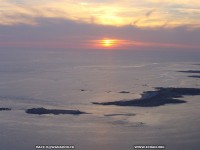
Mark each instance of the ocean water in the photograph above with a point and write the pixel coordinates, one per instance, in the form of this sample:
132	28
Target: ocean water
73	79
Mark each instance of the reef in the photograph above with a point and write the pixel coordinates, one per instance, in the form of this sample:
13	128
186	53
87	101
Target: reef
41	111
159	97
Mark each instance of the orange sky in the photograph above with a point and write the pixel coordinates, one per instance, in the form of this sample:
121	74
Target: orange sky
86	24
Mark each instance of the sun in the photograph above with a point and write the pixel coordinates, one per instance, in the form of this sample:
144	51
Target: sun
108	42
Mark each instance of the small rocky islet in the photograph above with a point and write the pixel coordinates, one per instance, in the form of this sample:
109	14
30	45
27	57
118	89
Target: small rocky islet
161	96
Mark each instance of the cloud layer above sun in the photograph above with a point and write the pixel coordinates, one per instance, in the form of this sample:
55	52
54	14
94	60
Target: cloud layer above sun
142	13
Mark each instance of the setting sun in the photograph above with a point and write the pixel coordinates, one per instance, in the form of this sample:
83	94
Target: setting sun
108	42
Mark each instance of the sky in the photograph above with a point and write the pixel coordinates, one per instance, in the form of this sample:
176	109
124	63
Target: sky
90	24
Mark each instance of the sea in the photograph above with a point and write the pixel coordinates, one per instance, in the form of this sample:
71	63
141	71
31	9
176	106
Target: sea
73	79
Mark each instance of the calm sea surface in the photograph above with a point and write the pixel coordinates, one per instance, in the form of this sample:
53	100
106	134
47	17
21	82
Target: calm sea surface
74	79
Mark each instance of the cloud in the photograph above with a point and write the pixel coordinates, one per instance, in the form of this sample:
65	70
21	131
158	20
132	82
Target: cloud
149	13
108	12
67	34
74	24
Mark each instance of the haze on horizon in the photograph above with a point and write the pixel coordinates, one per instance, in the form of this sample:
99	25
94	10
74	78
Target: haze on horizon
82	24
